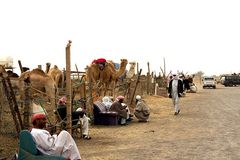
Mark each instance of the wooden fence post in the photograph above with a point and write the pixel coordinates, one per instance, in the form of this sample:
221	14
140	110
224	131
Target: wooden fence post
1	105
69	87
26	108
148	79
139	74
20	66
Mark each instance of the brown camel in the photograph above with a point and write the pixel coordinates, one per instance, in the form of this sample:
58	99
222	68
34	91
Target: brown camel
108	75
39	81
57	75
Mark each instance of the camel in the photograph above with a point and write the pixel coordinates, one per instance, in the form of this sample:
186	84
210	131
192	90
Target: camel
57	75
39	81
107	75
131	71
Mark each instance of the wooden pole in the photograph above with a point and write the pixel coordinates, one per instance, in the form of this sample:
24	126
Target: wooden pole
26	108
84	94
137	67
1	105
20	66
148	79
69	87
77	71
11	105
91	100
164	68
139	74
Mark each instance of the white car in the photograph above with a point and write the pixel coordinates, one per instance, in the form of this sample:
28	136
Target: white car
209	82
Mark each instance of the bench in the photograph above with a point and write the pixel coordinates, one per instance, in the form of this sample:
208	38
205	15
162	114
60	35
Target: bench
102	116
28	149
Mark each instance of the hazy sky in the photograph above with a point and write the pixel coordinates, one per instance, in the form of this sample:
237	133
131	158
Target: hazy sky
192	35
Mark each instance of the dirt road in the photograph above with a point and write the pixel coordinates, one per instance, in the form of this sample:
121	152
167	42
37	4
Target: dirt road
207	128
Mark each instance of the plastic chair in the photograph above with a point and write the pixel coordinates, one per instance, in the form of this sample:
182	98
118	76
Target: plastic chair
29	151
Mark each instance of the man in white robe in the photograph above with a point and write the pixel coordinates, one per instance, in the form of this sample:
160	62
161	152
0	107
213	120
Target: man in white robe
175	91
82	117
61	144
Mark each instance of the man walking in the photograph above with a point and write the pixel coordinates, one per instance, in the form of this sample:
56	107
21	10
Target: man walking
175	91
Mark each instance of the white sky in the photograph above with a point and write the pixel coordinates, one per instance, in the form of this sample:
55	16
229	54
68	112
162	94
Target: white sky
192	35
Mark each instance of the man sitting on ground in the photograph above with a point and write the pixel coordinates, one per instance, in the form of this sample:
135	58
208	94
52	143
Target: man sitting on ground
142	111
61	144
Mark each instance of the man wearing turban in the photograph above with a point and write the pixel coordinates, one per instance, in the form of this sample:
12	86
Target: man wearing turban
122	110
175	91
61	144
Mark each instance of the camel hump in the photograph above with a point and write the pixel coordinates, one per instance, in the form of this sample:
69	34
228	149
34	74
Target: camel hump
55	67
109	61
38	71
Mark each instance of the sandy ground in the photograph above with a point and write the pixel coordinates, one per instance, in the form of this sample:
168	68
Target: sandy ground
207	128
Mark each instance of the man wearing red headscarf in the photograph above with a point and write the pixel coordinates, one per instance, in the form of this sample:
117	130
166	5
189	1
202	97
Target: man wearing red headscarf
59	145
80	113
101	62
121	108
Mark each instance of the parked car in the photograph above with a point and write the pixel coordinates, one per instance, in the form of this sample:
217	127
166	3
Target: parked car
209	82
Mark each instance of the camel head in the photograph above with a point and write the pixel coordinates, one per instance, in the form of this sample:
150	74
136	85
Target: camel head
121	70
131	71
132	65
123	63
